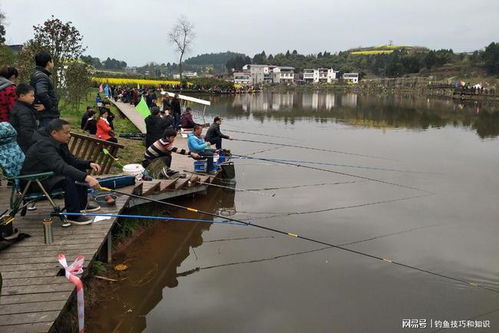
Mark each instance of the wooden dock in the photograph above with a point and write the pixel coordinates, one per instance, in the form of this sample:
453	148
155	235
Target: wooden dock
35	290
33	295
132	115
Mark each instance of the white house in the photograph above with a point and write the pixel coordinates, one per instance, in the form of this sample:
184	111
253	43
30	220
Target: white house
257	72
310	75
284	74
186	75
352	77
243	78
269	73
325	75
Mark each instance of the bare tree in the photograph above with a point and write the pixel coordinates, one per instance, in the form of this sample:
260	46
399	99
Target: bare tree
181	37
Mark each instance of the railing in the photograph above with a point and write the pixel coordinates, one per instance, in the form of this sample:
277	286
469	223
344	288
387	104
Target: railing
90	148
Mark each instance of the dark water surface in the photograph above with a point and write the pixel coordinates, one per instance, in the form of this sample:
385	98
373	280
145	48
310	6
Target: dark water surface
218	278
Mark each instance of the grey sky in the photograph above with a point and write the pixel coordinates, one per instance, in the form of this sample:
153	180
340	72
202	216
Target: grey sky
136	31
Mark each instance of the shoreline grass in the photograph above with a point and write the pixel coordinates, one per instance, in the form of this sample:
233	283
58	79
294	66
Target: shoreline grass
134	149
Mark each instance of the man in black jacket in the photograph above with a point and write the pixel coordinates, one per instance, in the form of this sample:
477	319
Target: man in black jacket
166	103
23	116
214	136
176	110
85	116
156	126
50	152
44	89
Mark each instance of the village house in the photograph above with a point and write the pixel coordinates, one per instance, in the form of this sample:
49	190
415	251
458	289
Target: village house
351	77
319	75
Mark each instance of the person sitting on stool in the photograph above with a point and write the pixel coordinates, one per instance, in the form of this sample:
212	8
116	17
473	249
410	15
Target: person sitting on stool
186	121
214	136
104	129
163	149
50	152
197	145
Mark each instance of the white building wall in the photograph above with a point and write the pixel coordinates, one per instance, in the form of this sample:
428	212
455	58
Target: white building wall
352	77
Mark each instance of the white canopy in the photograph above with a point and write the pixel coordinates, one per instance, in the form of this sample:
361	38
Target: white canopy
187	98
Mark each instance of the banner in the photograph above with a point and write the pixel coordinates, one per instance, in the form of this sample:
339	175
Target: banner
71	271
142	108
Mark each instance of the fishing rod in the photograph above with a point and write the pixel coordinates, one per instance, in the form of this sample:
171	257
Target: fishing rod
335	172
293	235
164	218
263	150
292	254
312	148
343	165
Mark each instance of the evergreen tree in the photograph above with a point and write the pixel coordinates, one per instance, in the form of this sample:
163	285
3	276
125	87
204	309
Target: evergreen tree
491	58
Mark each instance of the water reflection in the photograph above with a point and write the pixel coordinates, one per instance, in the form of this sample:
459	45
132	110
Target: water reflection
384	111
154	259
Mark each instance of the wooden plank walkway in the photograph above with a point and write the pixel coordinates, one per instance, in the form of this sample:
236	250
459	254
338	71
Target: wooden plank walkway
32	295
132	114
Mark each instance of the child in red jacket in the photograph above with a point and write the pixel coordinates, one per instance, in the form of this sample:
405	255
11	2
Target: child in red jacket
8	76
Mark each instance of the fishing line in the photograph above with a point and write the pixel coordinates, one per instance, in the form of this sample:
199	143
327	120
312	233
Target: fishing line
271	188
330	209
313	250
263	151
293	235
313	148
346	165
335	172
259	134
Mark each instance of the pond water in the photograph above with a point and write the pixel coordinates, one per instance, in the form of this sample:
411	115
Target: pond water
414	180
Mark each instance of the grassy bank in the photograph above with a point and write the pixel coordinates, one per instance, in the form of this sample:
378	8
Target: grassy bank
134	149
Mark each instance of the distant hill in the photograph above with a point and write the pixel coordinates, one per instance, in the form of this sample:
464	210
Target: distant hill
220	58
385	49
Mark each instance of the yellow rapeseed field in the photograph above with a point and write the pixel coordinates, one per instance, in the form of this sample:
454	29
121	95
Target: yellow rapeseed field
127	81
371	52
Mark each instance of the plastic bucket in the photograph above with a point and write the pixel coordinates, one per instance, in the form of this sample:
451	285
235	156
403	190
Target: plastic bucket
228	171
200	166
185	132
135	170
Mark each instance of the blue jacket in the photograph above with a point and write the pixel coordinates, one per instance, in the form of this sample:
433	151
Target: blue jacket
196	144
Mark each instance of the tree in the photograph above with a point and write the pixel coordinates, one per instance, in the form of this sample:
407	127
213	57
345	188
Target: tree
430	60
237	63
61	40
491	58
2	28
260	59
77	82
182	36
92	61
7	56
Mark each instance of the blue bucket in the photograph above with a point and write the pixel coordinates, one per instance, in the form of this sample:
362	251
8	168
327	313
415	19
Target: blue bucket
200	166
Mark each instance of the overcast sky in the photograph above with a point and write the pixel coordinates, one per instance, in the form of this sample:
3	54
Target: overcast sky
136	31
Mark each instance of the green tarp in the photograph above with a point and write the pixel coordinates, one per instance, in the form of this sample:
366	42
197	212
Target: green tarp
142	108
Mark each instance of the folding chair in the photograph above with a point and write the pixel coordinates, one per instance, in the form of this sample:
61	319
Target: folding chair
11	160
